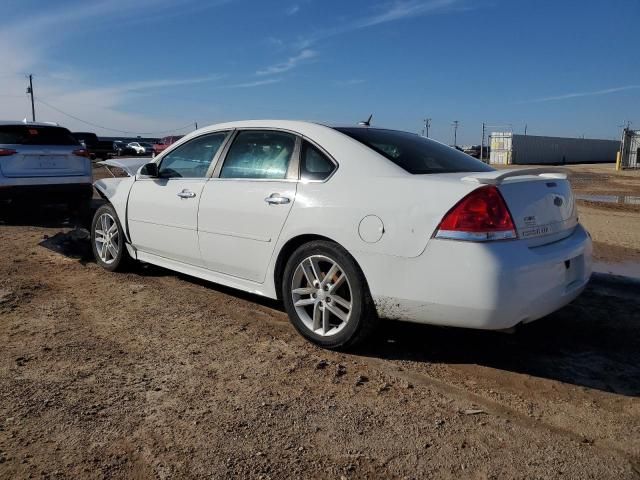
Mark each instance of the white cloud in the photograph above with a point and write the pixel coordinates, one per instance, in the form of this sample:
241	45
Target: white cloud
397	10
350	82
404	9
257	83
163	83
289	64
566	96
23	48
292	10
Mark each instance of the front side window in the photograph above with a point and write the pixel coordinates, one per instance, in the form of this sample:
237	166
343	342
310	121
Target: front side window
415	154
314	165
259	154
192	159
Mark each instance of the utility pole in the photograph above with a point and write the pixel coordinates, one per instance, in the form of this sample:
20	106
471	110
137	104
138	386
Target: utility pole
30	91
455	124
482	144
196	124
525	128
427	125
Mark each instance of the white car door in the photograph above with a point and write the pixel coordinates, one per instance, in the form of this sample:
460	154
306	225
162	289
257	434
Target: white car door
244	206
163	211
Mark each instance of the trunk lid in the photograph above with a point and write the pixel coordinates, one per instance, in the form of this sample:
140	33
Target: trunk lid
44	161
540	200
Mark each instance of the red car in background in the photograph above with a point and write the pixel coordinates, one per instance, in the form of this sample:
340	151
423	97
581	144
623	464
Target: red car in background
164	143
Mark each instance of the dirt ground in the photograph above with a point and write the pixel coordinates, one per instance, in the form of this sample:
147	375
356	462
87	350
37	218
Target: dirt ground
614	227
152	374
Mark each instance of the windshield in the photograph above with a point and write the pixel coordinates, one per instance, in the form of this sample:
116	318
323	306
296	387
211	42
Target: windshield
415	154
35	135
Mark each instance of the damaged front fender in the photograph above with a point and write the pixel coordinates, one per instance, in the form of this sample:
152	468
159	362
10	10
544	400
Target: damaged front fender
129	165
116	190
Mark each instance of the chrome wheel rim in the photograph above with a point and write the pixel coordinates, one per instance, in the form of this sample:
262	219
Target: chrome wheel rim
107	238
322	295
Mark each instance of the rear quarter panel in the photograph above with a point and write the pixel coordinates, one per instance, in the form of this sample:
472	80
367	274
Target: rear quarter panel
410	208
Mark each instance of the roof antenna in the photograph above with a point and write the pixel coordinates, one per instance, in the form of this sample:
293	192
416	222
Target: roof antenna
367	122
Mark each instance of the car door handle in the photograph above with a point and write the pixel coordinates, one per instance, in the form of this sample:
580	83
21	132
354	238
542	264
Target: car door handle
276	199
186	194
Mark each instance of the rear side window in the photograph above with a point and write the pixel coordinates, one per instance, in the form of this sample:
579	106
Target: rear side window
36	135
415	154
259	154
314	165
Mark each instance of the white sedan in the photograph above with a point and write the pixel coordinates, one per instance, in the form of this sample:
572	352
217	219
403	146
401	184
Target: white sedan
141	148
350	225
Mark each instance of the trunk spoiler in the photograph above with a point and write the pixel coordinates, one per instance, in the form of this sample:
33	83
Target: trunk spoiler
498	176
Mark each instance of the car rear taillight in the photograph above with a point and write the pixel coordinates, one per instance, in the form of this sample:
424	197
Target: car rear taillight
5	152
480	216
81	152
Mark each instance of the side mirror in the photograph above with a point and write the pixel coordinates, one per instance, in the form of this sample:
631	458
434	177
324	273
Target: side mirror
150	170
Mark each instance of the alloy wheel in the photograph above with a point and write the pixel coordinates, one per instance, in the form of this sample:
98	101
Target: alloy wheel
322	295
107	238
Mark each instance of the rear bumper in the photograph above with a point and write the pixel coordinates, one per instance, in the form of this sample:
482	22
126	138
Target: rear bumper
46	192
489	286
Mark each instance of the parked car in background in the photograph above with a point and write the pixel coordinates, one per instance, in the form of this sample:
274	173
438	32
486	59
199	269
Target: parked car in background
348	225
122	149
472	150
165	142
141	148
97	148
43	162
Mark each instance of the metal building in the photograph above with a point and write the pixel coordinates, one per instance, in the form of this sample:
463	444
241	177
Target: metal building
630	148
512	149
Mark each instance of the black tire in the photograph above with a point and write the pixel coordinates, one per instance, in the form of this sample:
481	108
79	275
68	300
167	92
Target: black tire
362	319
122	261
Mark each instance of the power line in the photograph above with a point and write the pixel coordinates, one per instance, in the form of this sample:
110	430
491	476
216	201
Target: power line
39	100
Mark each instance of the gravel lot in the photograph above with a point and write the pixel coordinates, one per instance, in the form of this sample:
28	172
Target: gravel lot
151	374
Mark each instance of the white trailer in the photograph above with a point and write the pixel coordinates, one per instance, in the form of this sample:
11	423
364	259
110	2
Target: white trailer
513	149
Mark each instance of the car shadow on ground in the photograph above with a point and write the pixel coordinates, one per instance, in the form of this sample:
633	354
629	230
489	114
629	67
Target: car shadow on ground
47	216
593	342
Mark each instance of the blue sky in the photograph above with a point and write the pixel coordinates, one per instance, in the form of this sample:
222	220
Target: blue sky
566	68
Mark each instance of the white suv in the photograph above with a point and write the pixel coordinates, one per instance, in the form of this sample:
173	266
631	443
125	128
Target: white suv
43	162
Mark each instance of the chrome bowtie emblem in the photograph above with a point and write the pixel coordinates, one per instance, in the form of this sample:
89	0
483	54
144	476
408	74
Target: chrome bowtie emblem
557	201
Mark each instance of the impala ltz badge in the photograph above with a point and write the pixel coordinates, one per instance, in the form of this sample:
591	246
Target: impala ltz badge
557	201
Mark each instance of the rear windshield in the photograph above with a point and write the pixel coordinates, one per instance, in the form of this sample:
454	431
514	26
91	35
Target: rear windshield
35	135
415	154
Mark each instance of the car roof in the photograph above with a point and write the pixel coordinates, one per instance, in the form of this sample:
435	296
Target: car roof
300	126
33	124
337	144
